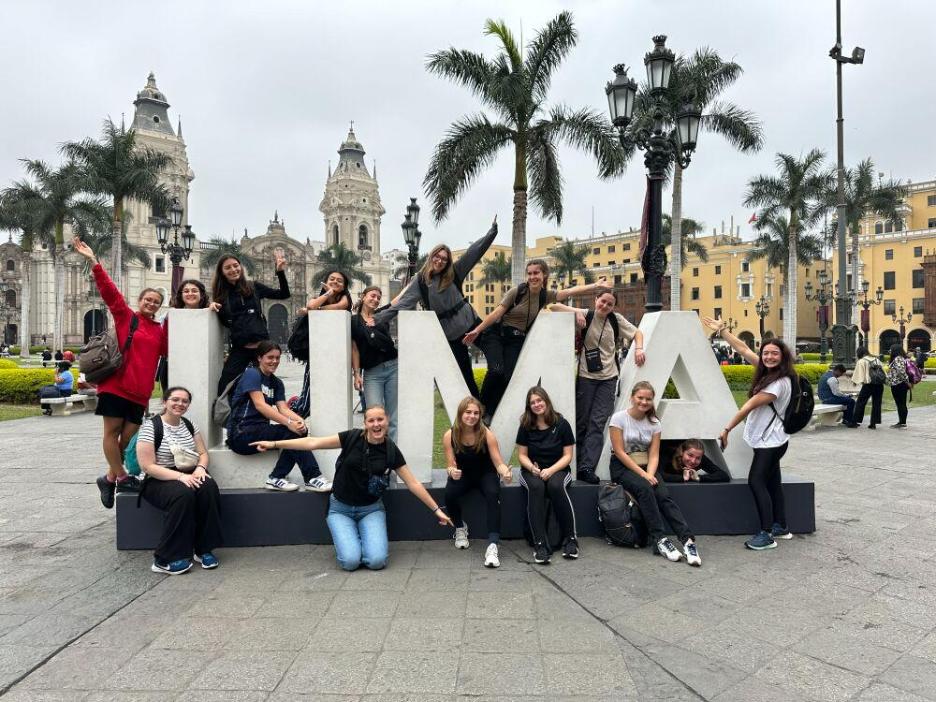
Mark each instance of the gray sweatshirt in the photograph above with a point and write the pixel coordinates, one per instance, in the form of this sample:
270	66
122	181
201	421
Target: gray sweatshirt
456	326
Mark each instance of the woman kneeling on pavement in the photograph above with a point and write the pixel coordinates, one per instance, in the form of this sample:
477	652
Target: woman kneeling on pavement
356	516
635	446
474	462
172	455
259	412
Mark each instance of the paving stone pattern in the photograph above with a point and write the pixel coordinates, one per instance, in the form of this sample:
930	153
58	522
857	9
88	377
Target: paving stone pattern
847	613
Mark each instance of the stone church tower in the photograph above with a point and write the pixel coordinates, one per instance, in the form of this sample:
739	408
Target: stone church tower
351	205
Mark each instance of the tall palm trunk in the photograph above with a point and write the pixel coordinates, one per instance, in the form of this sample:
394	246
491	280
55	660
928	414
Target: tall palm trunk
518	236
116	270
676	248
789	319
24	306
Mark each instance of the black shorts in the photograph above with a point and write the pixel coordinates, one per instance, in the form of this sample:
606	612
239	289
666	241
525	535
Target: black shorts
109	405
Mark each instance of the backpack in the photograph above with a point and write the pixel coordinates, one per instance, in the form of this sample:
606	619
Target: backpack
876	374
298	343
451	311
522	291
589	317
130	457
221	408
621	518
914	374
799	412
102	356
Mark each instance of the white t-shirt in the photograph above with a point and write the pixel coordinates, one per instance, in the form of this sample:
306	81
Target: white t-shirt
763	428
172	436
637	433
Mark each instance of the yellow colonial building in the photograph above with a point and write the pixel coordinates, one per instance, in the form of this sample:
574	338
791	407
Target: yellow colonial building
894	258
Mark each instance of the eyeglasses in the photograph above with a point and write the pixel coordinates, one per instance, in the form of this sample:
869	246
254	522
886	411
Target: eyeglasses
440	259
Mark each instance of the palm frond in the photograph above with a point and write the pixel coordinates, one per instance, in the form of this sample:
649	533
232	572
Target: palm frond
589	131
547	50
499	29
545	175
468	69
496	269
218	247
340	257
740	128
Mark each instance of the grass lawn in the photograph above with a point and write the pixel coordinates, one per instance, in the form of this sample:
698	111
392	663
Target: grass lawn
18	411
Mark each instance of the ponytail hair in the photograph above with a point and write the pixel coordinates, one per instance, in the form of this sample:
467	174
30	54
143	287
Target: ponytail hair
360	301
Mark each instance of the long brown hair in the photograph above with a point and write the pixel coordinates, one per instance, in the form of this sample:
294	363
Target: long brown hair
220	288
447	276
644	385
359	305
459	429
764	376
528	419
202	294
682	448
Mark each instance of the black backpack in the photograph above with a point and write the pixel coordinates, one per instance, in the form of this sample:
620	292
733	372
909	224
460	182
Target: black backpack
621	518
451	311
799	412
298	343
522	291
589	317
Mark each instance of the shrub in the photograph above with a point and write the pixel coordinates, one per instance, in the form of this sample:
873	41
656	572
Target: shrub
7	363
20	385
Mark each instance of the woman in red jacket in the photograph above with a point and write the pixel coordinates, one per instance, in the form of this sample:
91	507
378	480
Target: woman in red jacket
124	396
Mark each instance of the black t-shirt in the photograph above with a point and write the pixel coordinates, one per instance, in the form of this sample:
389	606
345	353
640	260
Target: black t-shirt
350	484
545	446
374	344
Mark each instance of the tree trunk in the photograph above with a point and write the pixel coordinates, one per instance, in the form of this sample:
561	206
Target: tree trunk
789	318
116	271
676	262
25	341
518	237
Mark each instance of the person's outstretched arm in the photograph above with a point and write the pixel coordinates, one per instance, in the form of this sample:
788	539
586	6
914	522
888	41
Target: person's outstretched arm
416	487
475	252
718	326
566	293
306	443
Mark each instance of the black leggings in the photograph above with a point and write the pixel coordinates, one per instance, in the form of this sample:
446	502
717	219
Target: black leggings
193	519
874	393
235	364
555	488
488	483
463	359
900	399
656	506
767	486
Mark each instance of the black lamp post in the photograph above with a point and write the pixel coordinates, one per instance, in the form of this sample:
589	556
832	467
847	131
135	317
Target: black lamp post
7	309
412	235
822	296
660	149
178	252
762	308
866	303
901	320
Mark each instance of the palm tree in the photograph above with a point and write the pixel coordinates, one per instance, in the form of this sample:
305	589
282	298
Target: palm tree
797	191
863	197
496	269
402	265
773	244
515	88
687	242
569	260
699	79
17	215
340	257
117	168
216	248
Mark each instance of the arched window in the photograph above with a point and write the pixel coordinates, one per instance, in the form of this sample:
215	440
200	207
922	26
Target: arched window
362	237
10	264
335	234
10	298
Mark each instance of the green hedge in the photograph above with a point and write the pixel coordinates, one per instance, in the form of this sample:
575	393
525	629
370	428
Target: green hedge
14	350
7	363
20	385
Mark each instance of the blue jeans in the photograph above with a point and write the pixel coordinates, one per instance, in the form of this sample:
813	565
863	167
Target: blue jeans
847	403
240	439
359	534
380	388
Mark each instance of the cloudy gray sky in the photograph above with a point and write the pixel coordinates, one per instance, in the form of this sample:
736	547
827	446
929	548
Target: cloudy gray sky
266	90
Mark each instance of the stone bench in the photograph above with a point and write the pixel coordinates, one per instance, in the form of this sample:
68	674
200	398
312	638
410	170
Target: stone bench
258	517
64	406
827	415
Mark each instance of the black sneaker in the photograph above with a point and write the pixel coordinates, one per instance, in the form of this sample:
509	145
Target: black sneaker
129	484
588	476
570	548
540	554
107	491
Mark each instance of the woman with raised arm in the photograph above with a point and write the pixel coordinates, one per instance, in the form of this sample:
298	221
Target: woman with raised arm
173	457
124	396
356	516
544	446
374	353
635	459
474	463
770	393
334	295
241	311
259	411
437	287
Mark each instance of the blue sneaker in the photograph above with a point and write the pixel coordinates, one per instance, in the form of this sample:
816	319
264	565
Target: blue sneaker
183	565
780	532
207	560
761	541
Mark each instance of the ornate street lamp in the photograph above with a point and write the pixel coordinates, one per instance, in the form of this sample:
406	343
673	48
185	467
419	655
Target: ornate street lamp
177	251
823	297
411	235
762	308
7	310
677	145
866	303
901	320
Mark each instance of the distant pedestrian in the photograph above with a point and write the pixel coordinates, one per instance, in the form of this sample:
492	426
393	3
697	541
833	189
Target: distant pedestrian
899	382
920	358
870	375
830	394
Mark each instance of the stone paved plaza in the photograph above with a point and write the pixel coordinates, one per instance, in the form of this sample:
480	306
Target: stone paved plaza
847	613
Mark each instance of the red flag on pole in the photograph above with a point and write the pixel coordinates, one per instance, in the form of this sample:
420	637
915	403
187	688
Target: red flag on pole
753	218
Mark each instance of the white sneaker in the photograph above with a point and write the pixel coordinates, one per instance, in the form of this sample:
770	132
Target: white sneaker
490	557
461	536
280	485
666	548
692	553
319	484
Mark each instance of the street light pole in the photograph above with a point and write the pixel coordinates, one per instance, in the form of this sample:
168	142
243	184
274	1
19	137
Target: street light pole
902	321
411	235
660	150
178	252
866	303
762	308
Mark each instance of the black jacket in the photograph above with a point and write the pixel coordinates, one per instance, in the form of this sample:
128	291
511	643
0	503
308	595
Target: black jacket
244	315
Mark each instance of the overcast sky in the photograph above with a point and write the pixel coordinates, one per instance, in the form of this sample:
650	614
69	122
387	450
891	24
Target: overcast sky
266	91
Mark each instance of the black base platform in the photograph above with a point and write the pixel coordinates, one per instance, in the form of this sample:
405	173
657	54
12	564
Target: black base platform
263	518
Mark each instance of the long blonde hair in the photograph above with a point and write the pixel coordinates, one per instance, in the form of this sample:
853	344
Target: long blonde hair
447	276
459	429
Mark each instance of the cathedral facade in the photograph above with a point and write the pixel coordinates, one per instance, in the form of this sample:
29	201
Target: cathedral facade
351	211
